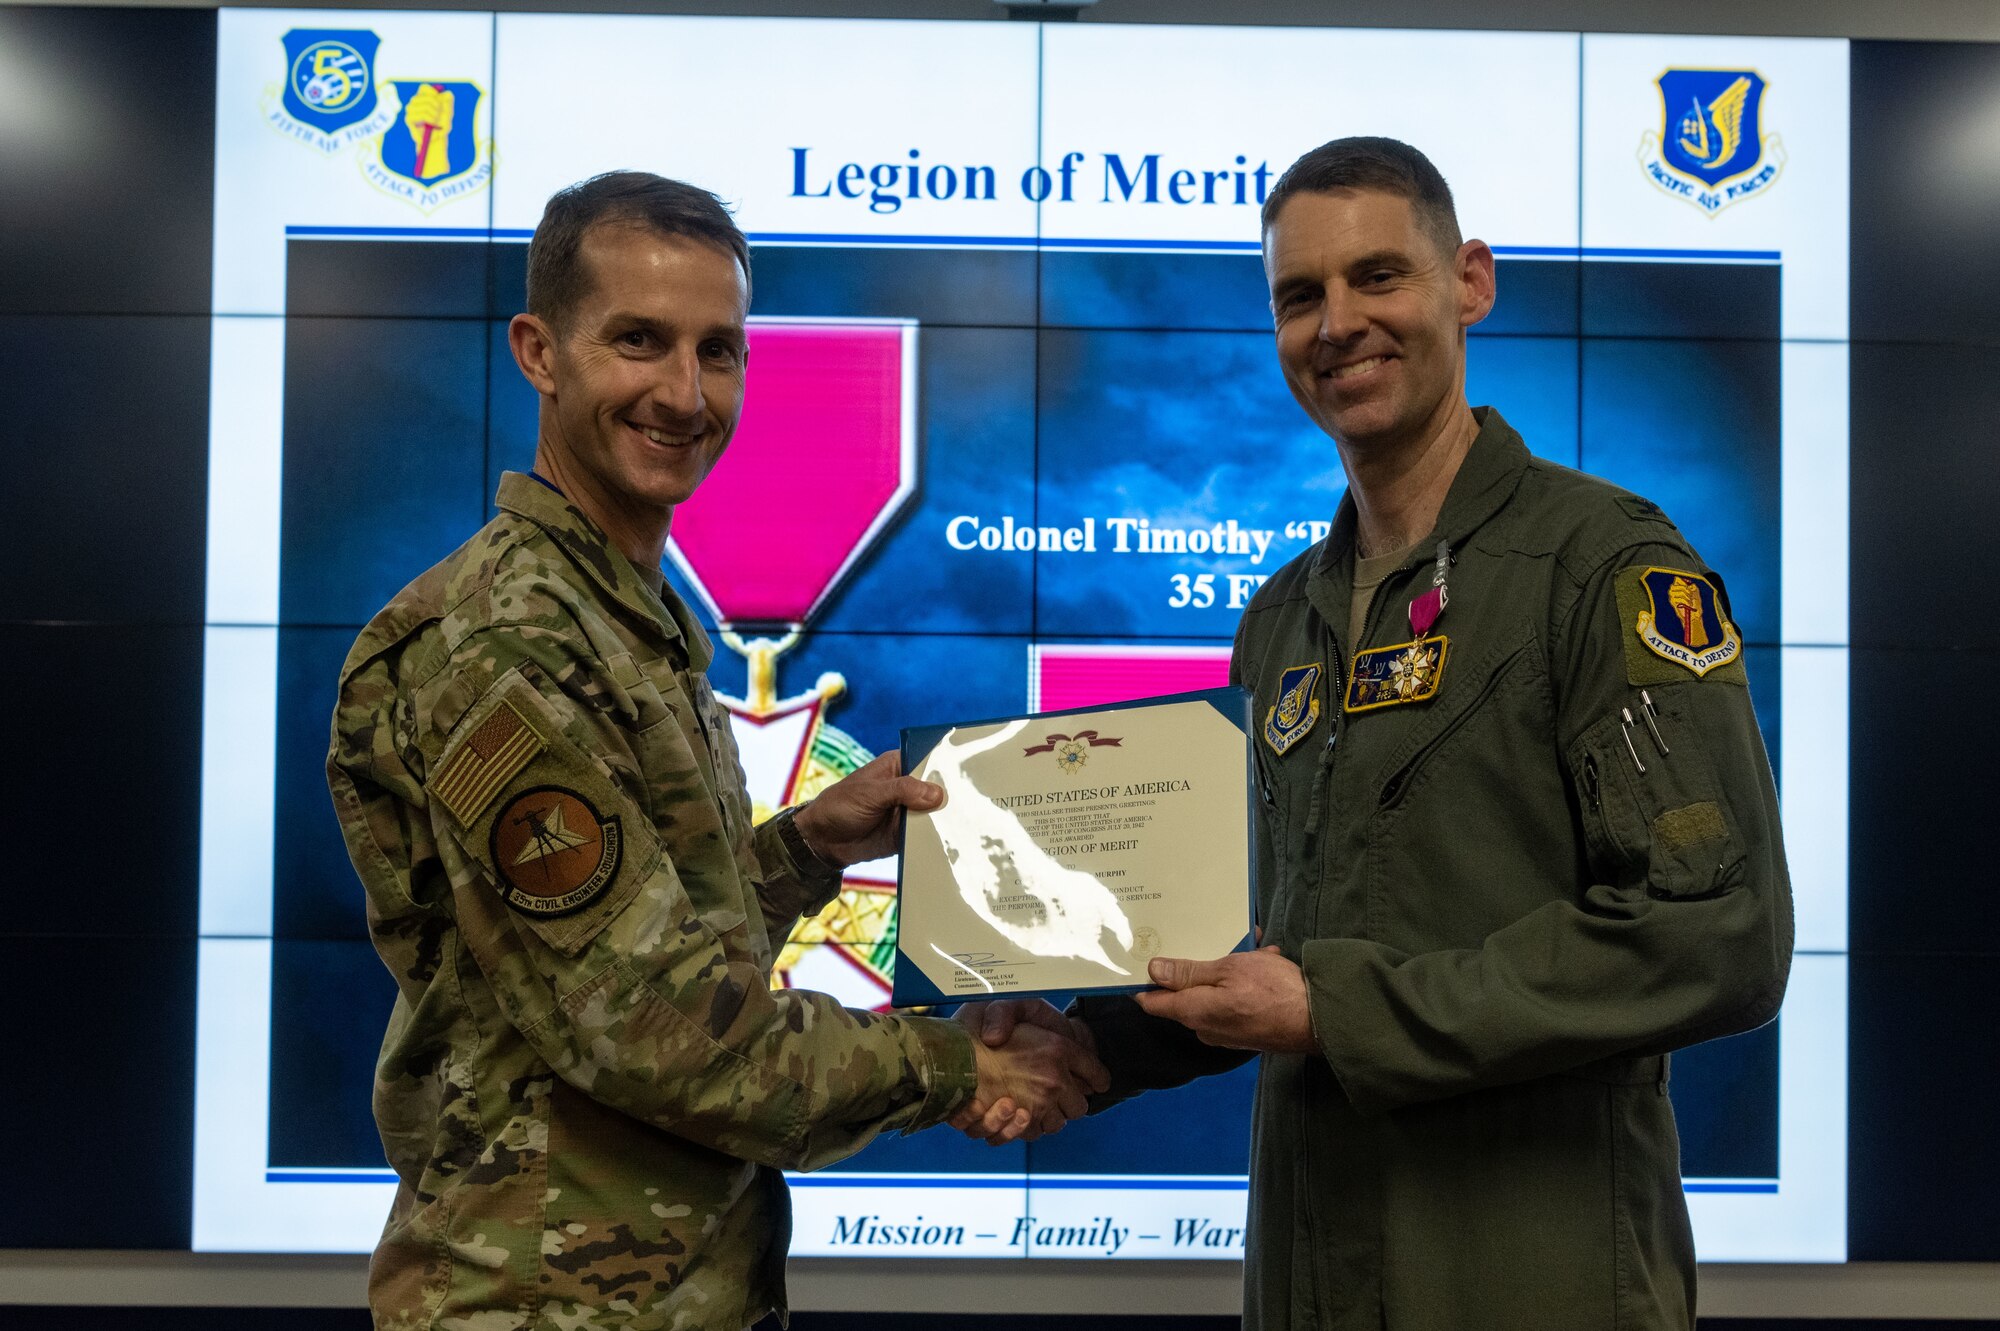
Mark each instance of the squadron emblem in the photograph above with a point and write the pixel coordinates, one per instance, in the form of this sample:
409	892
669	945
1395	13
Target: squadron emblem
432	153
1681	620
553	852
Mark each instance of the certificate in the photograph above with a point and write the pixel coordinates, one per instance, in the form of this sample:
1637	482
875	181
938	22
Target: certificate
1073	847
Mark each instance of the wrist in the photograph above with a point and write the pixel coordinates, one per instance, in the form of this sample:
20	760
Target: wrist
795	828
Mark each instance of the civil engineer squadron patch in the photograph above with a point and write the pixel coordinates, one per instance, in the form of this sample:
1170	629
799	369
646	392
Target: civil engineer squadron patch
554	853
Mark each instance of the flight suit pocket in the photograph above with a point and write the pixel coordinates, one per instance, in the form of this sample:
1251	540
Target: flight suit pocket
1653	817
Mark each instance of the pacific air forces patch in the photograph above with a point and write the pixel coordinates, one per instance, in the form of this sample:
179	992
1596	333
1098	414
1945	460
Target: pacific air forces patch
1673	621
1297	710
554	853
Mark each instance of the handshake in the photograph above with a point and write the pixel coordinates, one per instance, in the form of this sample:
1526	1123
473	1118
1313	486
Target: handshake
1036	1068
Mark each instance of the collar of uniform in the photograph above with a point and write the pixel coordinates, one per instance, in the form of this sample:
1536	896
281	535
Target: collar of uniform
607	565
1489	474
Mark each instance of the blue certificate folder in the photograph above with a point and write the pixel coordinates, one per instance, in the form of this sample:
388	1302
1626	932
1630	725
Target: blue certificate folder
912	987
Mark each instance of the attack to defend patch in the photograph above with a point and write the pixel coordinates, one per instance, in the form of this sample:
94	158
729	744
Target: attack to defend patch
554	853
1677	617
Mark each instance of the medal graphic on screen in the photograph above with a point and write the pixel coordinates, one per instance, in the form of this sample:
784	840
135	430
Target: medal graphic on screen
823	459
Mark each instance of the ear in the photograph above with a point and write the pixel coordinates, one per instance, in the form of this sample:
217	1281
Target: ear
1476	287
534	346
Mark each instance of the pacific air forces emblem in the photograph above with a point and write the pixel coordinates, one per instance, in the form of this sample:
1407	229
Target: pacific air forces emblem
1296	712
1710	150
329	97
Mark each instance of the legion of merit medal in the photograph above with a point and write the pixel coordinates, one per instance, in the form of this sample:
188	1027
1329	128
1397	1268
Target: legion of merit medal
1406	672
822	485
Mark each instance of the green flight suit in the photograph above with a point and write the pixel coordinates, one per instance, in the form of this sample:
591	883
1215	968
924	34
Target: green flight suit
1503	925
588	1086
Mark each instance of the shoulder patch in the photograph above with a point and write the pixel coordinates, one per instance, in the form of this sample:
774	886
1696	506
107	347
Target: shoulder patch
1673	625
554	853
469	776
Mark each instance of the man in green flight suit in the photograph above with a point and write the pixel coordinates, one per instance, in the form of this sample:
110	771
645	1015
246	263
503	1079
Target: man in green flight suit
588	1086
1520	831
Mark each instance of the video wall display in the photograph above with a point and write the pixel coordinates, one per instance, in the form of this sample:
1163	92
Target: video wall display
1014	438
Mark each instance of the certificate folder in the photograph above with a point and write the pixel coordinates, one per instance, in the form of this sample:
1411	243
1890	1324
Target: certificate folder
1075	846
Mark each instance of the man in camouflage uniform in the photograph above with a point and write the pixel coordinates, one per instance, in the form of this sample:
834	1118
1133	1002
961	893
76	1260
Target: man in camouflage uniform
588	1086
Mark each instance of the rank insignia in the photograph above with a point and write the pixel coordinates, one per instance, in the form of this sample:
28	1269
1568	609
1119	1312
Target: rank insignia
1296	712
554	853
1677	617
1390	676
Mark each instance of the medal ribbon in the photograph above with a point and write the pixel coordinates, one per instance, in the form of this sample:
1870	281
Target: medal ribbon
1425	609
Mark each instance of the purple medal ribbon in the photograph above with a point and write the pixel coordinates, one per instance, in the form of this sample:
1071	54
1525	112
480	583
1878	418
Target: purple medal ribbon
1425	609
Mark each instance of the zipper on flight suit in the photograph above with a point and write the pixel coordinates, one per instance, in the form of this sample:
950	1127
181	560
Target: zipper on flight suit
1336	694
1316	1070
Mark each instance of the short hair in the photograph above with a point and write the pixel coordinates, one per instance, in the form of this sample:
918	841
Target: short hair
557	281
1367	162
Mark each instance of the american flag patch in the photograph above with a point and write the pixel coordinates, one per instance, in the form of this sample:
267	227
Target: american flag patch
487	760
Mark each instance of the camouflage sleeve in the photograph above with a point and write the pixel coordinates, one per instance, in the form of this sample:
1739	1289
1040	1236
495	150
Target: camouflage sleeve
637	978
794	882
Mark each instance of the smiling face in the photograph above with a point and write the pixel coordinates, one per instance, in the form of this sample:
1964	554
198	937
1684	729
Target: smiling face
642	389
1370	316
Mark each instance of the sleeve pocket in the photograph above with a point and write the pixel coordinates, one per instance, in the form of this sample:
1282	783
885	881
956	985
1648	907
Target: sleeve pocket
546	826
1668	828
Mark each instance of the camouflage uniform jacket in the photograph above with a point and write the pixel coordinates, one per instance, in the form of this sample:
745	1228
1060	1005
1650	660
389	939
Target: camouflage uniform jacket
588	1086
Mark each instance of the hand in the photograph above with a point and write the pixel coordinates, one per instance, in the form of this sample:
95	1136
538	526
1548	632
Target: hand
1036	1070
430	106
854	819
428	118
1246	1000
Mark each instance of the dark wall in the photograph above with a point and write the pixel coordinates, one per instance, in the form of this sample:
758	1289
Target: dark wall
105	236
1925	919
